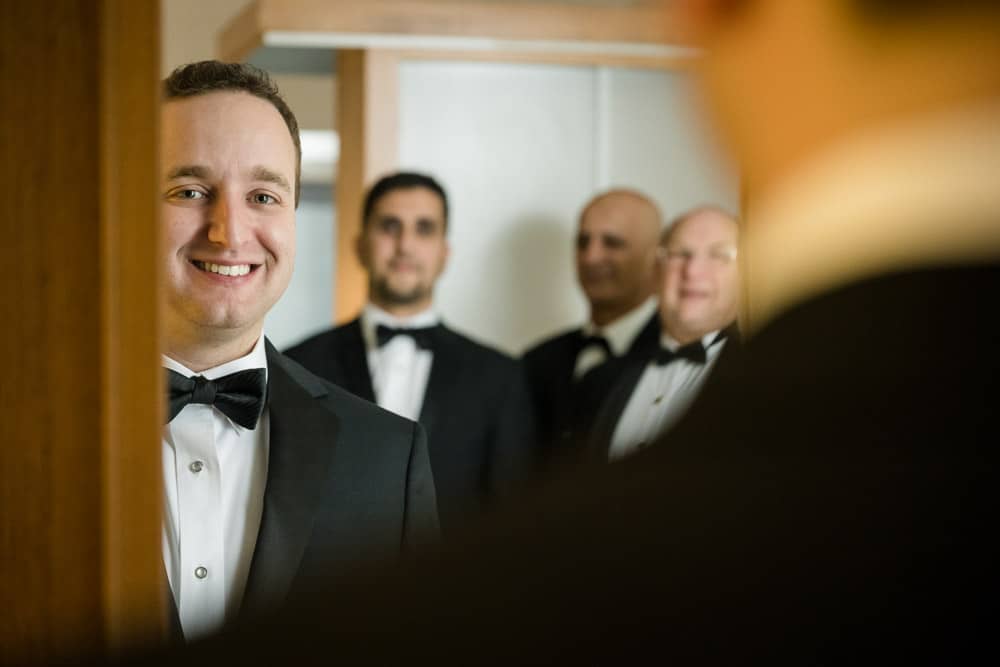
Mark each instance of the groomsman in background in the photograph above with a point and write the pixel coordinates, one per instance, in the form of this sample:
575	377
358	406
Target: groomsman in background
698	279
471	399
615	260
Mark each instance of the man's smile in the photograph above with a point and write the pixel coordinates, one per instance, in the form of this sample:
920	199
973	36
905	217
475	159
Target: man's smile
228	270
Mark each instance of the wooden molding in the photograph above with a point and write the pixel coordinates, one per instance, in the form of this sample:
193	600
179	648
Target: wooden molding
241	35
367	122
551	58
132	379
648	24
81	470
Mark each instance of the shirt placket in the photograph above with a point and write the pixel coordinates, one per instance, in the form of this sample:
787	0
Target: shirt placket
201	573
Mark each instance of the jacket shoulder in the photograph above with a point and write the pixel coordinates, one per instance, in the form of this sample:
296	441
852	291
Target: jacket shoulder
549	346
324	341
343	403
473	351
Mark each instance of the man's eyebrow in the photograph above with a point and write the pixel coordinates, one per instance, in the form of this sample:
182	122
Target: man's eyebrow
188	170
269	176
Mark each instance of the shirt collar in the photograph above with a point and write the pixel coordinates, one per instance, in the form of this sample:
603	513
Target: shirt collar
919	194
256	358
372	316
622	332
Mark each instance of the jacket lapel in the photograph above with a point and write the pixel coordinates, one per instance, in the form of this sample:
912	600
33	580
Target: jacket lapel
175	633
353	358
445	369
648	340
301	443
612	408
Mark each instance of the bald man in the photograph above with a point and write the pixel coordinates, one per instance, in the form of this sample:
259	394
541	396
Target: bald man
615	261
698	281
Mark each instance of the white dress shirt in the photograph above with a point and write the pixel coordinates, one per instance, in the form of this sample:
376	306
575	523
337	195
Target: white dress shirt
620	335
214	474
661	396
399	369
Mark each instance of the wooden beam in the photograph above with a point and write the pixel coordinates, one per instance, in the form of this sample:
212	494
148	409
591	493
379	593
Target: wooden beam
635	23
80	469
593	59
242	35
367	122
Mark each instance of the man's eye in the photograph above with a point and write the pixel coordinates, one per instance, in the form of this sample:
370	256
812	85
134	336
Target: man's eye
263	198
388	225
722	255
426	228
188	193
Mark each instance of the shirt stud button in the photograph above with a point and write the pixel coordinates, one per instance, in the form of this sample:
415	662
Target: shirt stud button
658	400
200	572
196	466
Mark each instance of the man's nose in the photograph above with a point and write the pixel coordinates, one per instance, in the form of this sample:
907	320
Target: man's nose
405	240
695	265
225	226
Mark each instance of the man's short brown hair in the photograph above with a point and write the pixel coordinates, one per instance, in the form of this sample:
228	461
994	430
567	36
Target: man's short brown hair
211	75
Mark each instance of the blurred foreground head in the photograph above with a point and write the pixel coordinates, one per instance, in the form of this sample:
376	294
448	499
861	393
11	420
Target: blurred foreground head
786	78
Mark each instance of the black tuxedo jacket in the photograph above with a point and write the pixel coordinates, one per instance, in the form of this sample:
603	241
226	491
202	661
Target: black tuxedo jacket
831	496
564	408
347	483
476	412
622	385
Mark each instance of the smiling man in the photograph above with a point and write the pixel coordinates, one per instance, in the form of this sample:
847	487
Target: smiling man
698	279
272	476
471	399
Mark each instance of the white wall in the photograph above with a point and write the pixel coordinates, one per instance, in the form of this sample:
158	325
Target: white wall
307	305
520	148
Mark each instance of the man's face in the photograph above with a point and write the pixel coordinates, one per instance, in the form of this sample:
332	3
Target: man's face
403	247
615	254
699	277
227	188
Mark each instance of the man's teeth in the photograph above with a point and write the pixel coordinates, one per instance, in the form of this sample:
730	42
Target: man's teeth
225	269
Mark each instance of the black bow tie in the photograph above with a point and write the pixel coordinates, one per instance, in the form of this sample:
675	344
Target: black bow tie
422	337
239	396
596	341
693	352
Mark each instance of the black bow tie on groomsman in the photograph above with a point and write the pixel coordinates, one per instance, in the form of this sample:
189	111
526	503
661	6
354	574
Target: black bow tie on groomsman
239	396
422	337
694	352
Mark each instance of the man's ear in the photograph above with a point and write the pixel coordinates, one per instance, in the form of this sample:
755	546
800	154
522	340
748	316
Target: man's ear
361	248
